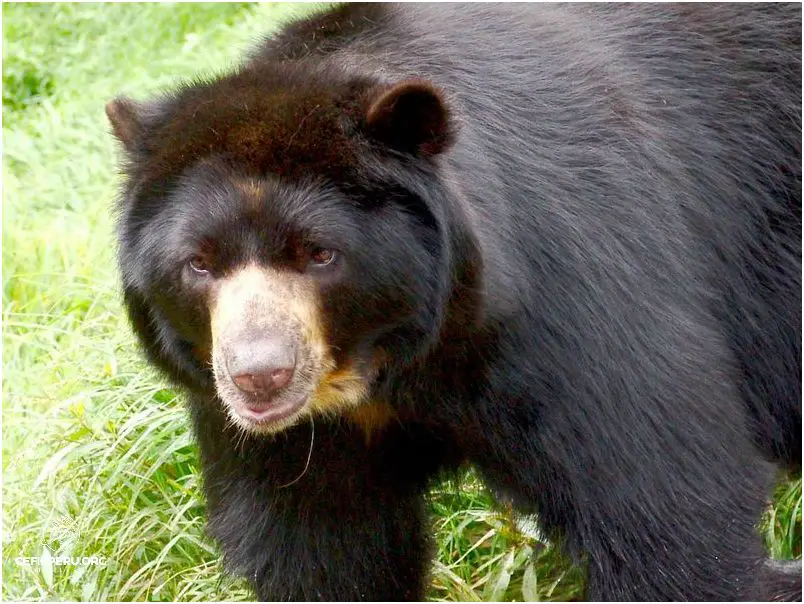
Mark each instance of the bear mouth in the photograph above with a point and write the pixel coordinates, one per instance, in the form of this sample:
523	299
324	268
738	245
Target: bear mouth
259	416
264	415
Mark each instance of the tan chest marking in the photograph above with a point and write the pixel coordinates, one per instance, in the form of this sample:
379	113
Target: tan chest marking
371	418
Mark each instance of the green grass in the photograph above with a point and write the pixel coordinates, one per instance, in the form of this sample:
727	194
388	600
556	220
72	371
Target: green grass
97	458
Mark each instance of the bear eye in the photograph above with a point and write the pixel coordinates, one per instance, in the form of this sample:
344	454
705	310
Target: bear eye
320	256
199	265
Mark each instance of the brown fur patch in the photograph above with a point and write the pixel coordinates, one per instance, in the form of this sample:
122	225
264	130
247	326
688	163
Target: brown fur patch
203	354
338	390
272	119
252	191
371	418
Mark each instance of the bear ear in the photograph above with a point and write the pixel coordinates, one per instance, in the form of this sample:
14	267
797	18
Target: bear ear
410	116
128	121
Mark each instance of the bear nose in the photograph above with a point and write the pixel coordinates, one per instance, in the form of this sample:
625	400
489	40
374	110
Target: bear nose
265	382
262	367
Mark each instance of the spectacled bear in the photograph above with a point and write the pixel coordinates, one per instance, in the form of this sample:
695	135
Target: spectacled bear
561	243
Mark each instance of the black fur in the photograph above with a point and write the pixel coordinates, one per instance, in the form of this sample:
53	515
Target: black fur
581	264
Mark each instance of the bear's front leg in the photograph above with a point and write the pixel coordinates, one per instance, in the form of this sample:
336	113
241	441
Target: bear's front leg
346	525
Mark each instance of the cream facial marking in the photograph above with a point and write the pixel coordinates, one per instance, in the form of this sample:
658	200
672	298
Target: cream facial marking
271	360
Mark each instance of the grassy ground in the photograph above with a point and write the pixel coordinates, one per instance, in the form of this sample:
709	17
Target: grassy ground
97	460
